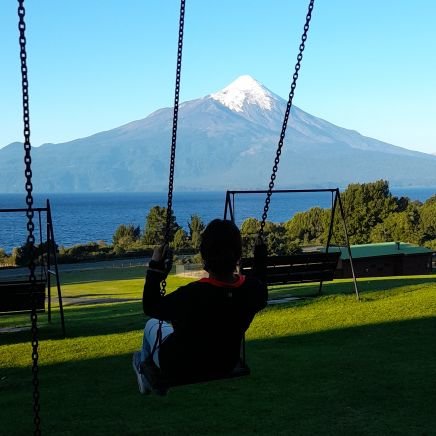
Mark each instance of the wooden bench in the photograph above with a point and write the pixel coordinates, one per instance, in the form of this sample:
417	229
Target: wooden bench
296	268
16	296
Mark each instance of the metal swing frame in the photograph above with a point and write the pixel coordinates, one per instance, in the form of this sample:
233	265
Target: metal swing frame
15	295
300	268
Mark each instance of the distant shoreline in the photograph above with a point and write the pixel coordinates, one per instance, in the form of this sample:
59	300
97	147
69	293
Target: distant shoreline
211	191
81	218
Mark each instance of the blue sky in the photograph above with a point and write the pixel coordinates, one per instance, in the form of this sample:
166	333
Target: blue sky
94	65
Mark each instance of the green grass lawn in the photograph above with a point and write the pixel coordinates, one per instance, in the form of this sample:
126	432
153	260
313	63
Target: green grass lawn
324	366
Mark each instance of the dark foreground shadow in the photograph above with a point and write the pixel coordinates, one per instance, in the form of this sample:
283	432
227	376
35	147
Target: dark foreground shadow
369	380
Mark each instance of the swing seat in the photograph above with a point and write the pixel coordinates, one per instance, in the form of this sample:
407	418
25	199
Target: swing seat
296	268
162	382
16	297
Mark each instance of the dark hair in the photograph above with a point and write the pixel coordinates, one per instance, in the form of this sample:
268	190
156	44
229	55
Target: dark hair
221	246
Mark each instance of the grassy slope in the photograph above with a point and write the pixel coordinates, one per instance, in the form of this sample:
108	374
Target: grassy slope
326	366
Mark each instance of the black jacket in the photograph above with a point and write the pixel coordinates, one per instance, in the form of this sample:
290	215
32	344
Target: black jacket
209	320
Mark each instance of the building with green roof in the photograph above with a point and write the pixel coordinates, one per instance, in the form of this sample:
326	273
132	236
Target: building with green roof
384	259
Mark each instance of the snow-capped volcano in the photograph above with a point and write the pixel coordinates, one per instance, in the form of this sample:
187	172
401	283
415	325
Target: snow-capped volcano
245	91
249	99
226	140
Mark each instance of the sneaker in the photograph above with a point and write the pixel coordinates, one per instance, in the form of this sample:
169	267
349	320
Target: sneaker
143	384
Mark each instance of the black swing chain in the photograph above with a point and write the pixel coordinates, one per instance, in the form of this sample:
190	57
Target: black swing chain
169	214
285	120
29	213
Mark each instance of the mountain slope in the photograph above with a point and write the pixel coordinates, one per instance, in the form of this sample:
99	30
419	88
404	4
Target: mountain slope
225	140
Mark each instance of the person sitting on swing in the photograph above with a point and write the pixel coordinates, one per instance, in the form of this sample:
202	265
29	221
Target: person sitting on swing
203	323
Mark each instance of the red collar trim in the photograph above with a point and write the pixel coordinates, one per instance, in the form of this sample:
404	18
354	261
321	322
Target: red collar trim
239	282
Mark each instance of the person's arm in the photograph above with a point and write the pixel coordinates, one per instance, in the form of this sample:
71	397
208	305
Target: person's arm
153	303
151	294
260	272
263	296
260	261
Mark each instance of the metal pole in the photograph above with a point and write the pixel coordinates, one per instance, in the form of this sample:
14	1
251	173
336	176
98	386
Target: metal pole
332	220
330	234
55	263
356	290
48	264
40	245
229	208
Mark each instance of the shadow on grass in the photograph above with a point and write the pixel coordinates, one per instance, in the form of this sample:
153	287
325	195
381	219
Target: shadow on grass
347	287
102	319
80	321
366	380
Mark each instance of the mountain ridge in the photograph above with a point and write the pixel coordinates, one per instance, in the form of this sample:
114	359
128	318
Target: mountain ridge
226	140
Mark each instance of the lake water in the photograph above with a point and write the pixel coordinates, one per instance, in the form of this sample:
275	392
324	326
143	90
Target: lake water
80	218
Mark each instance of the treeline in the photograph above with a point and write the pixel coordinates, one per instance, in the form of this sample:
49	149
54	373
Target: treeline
127	241
372	214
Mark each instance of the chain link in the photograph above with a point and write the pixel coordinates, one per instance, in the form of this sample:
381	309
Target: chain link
29	214
169	215
285	120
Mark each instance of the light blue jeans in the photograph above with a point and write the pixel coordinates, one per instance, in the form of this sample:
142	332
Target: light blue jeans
149	339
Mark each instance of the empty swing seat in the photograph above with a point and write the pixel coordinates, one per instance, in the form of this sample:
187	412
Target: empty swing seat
296	268
16	296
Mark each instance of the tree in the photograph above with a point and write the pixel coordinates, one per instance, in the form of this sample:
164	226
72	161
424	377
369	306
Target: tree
275	237
428	222
21	256
365	206
126	235
4	258
309	227
278	242
250	227
155	224
196	226
401	226
249	230
431	200
180	239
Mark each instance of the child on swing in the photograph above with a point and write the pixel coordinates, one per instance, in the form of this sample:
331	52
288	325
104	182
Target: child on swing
203	322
